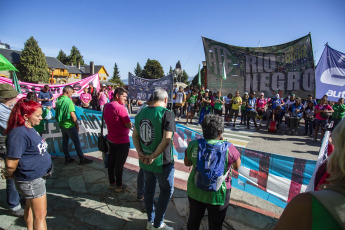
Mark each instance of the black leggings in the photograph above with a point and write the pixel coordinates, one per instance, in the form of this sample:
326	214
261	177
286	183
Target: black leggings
117	158
216	213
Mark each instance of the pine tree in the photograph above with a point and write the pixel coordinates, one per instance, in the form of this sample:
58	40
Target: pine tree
152	70
33	66
75	56
62	57
138	70
116	76
170	70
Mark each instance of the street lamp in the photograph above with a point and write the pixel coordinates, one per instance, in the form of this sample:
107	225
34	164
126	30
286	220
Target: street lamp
52	79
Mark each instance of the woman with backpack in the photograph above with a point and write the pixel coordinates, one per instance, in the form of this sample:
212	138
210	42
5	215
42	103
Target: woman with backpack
214	195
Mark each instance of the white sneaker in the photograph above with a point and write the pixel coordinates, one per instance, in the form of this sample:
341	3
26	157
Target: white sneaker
163	226
149	226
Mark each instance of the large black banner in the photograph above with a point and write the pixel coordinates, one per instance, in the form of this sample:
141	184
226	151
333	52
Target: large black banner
285	69
141	88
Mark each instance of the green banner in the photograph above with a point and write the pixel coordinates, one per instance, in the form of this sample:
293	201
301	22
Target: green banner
285	69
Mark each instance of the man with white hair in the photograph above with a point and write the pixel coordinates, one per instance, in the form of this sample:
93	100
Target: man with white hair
152	138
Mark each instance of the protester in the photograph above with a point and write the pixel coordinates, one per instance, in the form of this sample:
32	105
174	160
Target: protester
201	196
7	100
180	98
277	104
295	115
261	106
322	209
93	92
75	93
309	118
65	115
28	161
251	109
102	97
289	102
118	123
236	103
339	112
85	99
244	108
218	104
152	138
309	99
322	111
228	105
45	96
31	96
205	106
110	92
192	99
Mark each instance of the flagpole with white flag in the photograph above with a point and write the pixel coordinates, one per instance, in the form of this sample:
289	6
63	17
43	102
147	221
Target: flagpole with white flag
223	77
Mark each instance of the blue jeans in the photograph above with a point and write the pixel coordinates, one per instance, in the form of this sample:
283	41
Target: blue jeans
204	111
73	134
166	186
140	183
13	199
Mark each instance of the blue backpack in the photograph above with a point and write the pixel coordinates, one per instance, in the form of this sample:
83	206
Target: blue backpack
209	171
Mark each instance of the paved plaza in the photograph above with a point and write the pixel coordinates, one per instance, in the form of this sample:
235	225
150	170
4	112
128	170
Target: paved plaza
79	198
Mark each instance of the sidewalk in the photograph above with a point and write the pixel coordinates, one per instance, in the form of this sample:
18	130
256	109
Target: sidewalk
79	198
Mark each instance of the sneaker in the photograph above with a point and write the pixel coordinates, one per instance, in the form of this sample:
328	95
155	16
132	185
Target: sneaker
121	188
140	197
149	225
69	160
112	186
17	213
85	161
163	226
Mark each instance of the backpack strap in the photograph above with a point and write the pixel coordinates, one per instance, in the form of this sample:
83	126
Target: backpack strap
333	199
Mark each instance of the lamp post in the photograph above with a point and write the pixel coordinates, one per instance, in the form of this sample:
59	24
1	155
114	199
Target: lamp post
52	78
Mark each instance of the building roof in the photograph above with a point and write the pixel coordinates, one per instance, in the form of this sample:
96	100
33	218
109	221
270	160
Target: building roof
13	56
86	68
55	63
74	69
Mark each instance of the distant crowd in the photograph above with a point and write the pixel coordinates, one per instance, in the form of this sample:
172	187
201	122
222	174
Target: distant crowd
191	102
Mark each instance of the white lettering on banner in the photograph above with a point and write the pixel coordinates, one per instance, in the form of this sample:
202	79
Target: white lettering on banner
215	55
255	65
333	93
140	82
278	81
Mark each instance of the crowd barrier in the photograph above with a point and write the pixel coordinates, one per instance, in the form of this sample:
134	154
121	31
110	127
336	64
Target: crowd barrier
269	176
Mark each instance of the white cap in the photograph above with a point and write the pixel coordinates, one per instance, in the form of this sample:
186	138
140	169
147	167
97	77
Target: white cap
246	93
207	90
262	94
104	85
277	95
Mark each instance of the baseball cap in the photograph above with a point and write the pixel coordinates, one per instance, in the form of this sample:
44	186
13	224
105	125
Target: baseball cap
292	95
277	95
104	85
262	94
7	91
207	90
246	93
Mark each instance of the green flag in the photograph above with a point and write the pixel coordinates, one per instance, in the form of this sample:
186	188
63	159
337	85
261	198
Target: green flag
199	77
5	64
16	83
224	72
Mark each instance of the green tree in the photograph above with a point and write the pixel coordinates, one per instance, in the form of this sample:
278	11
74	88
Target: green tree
33	66
184	77
138	70
62	57
152	70
170	70
75	56
195	79
116	76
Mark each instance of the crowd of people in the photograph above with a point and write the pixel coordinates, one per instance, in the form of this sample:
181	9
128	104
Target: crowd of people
316	114
28	163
